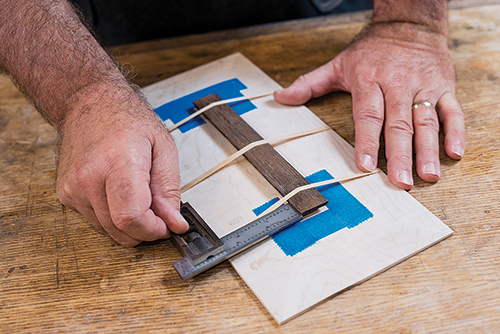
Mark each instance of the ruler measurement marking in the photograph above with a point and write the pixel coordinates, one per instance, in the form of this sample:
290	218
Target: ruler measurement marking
237	241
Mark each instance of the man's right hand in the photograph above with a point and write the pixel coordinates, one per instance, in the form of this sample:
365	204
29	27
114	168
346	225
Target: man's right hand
118	167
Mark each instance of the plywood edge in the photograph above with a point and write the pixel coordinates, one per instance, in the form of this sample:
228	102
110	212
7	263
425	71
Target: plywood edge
282	321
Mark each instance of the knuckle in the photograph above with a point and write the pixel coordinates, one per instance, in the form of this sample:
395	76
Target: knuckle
402	158
134	163
67	192
82	178
400	124
400	105
123	222
427	121
396	80
64	192
456	113
368	145
126	221
372	116
431	151
455	133
400	120
302	79
77	178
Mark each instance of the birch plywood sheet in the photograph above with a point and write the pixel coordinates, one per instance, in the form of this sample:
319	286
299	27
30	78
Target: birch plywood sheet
368	226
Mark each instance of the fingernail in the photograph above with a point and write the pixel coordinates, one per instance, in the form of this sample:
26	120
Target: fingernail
279	90
458	149
430	168
405	177
367	162
181	219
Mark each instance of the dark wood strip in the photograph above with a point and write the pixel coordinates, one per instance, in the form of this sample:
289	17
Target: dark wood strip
283	176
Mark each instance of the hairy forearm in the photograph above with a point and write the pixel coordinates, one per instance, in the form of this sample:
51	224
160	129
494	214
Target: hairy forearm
431	14
52	56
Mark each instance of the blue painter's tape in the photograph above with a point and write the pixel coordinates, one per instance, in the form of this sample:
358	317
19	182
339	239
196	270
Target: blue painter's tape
181	108
304	234
340	201
265	206
344	210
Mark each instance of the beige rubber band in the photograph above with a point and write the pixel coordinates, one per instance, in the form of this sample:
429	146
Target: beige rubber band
216	103
314	185
247	148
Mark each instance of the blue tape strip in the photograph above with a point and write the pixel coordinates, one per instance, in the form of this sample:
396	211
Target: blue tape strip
265	206
344	210
179	109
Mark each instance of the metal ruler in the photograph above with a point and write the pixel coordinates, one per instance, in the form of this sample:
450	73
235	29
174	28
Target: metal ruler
241	239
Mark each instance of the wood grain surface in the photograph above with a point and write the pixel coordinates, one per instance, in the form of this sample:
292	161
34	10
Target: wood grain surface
57	274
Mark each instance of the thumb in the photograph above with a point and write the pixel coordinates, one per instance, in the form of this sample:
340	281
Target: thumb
321	81
165	186
167	208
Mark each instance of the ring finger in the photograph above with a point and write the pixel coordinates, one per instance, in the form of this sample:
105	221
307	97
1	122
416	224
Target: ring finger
426	139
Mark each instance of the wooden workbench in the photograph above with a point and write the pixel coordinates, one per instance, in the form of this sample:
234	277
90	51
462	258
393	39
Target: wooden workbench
57	274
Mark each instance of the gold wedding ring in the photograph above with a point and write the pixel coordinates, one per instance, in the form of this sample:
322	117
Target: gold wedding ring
423	103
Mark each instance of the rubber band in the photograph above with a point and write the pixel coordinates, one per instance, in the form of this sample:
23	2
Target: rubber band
216	103
250	146
247	148
314	185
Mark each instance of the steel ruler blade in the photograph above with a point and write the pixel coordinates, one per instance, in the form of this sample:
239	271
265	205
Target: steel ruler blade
241	239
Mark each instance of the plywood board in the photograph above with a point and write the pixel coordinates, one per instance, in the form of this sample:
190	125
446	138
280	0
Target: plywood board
368	226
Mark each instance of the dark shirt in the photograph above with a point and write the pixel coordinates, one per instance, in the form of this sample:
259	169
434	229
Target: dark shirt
127	21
